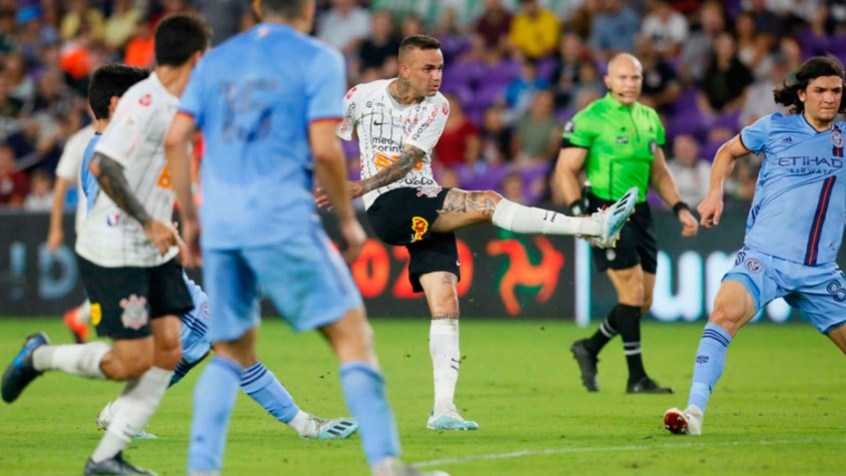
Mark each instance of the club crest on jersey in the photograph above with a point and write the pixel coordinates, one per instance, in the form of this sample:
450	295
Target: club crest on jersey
445	109
146	100
569	127
135	315
753	265
419	227
837	141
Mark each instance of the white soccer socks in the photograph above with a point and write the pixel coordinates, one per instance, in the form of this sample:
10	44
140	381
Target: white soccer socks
446	360
77	359
522	219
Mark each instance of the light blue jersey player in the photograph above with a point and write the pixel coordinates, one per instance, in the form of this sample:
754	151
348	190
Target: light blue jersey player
258	382
794	229
268	102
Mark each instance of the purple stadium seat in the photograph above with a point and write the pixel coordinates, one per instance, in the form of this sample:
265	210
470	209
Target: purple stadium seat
500	74
487	95
546	67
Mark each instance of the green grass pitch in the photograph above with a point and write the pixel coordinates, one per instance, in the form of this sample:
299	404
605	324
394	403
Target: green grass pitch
779	409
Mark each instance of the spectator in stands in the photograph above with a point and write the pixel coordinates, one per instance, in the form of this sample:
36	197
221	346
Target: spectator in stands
661	86
613	29
10	107
379	50
791	51
696	52
7	30
494	24
120	25
752	47
401	9
691	171
139	50
534	30
724	85
344	26
459	143
82	15
580	21
666	28
767	23
565	77
759	98
40	197
411	25
496	137
520	92
14	184
513	187
21	84
226	17
538	135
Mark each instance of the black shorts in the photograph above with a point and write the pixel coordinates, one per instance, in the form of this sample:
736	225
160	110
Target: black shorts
404	217
637	241
125	299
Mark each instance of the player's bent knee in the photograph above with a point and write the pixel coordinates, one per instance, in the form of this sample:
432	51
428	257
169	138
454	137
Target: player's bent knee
729	321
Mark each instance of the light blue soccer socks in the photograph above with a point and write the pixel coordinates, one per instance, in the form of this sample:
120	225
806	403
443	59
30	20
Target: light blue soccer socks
710	362
214	397
262	386
364	391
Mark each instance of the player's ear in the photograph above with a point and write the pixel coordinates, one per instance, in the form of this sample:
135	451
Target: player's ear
113	102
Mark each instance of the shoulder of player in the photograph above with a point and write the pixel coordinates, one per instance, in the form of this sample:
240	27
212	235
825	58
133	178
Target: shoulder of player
363	91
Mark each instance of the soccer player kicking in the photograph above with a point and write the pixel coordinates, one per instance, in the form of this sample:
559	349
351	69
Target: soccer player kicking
108	84
398	122
268	102
127	255
794	229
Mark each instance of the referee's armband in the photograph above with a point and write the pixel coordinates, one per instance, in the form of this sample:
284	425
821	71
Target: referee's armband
565	143
679	206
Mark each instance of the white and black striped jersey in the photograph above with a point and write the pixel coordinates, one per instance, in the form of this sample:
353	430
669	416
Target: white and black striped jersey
134	138
384	126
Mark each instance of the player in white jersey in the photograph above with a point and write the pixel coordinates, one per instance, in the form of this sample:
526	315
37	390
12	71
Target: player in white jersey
398	122
127	251
67	174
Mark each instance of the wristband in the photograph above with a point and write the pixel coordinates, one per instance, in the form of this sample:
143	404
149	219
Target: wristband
577	209
679	206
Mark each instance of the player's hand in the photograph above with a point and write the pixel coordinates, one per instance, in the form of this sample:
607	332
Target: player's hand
689	224
55	237
352	238
322	198
161	235
189	244
711	209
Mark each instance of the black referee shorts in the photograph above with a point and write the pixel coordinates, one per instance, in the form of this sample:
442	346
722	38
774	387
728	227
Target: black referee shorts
637	243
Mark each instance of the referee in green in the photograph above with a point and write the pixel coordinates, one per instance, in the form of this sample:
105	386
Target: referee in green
617	141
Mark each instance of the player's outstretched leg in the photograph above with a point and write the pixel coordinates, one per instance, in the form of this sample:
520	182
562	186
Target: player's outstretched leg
104	419
21	371
612	219
262	386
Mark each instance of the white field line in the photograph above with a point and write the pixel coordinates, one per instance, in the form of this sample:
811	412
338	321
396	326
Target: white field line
605	449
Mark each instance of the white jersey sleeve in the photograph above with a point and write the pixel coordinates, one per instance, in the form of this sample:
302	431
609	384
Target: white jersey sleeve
425	134
71	159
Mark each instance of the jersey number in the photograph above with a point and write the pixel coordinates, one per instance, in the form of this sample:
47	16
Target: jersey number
245	104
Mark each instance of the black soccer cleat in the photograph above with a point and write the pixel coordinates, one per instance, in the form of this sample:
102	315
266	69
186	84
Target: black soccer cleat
647	385
115	465
20	372
587	364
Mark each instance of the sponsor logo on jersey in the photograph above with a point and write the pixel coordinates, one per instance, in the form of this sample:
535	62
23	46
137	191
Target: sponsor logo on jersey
445	109
146	100
350	93
419	227
113	218
569	127
135	315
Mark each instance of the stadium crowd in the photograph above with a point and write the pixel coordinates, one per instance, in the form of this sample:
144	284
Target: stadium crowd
516	71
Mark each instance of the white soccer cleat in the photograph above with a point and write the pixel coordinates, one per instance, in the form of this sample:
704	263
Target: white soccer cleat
395	467
336	429
104	419
450	419
612	219
687	422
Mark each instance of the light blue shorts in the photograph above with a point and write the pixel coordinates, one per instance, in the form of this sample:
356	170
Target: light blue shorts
305	277
818	291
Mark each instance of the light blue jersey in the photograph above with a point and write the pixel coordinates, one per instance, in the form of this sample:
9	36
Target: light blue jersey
90	187
254	97
800	199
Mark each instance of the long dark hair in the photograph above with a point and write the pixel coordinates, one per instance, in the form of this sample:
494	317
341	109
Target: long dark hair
788	94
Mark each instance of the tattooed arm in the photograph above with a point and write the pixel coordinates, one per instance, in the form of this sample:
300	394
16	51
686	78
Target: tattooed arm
407	160
110	176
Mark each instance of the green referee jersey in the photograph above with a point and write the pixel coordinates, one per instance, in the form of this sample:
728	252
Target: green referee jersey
621	143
